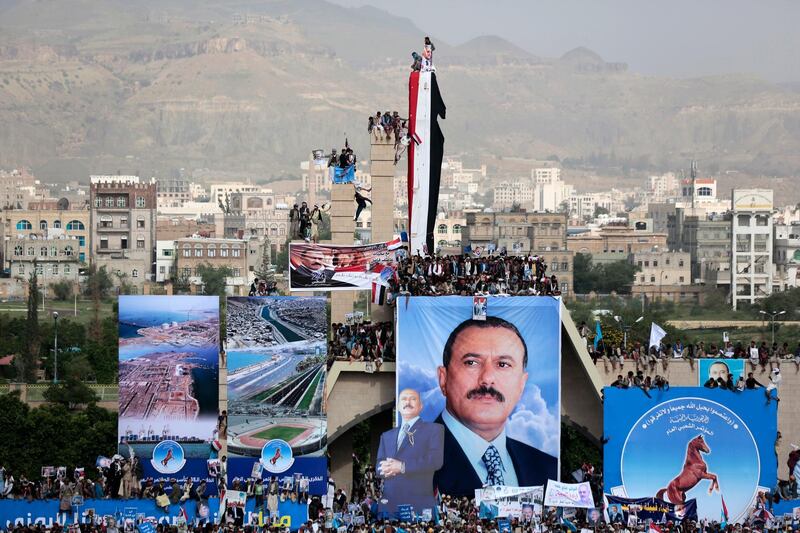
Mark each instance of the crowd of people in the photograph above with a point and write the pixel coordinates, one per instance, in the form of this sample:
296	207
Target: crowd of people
390	124
364	342
304	221
466	275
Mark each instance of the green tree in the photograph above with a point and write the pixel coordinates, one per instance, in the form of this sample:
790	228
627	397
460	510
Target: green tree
98	282
62	290
26	364
265	271
71	393
214	278
282	259
604	278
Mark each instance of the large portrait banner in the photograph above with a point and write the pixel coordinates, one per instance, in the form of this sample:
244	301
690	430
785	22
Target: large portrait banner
329	267
479	399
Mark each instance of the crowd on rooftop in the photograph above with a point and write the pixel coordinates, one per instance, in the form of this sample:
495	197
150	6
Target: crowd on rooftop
466	275
363	342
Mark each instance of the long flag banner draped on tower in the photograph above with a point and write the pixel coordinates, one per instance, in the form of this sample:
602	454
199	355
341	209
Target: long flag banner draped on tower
276	351
471	382
330	267
685	443
425	153
168	378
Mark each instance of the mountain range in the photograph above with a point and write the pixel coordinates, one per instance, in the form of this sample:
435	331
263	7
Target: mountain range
243	86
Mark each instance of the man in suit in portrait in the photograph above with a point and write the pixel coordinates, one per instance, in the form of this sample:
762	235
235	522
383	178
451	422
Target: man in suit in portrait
482	377
408	456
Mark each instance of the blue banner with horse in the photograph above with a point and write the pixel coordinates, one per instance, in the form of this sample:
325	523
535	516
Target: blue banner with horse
715	446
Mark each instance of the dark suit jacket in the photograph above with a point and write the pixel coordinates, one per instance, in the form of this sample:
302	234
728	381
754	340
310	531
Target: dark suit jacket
301	277
422	459
457	476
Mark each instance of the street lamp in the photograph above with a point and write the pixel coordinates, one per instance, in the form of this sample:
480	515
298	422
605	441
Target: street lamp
626	328
55	347
772	315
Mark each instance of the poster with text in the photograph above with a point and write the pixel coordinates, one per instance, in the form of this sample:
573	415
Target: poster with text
276	351
168	377
710	445
491	384
329	267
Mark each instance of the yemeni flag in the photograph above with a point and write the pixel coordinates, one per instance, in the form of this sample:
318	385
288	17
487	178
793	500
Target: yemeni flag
723	519
425	154
378	293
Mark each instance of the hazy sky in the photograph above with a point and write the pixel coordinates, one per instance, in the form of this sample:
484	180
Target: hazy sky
679	38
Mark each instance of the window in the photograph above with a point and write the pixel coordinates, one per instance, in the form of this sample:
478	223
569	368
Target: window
456	228
680	279
57	224
667	261
31	250
743	220
212	252
237	252
122	201
98	202
24	224
564	287
236	272
109	201
123	222
647	263
704	191
641	279
273	230
55	269
140	201
106	221
53	251
68	251
39	269
43	251
103	243
187	271
565	266
18	250
187	252
655	263
162	269
198	251
282	230
43	225
140	222
67	269
75	225
21	269
134	273
81	241
680	262
442	228
223	250
652	279
123	243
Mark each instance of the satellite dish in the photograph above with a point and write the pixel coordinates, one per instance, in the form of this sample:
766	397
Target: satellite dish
63	204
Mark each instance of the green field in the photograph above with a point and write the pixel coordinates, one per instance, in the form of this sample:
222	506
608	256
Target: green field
309	395
279	432
66	310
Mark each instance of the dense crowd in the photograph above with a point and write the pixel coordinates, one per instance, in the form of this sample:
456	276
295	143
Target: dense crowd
304	221
365	342
466	275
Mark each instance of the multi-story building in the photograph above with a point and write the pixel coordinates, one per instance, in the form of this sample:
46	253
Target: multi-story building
662	267
17	188
169	229
49	224
585	205
165	260
194	252
173	192
521	232
123	227
448	230
222	191
619	238
707	238
787	256
664	186
751	243
54	260
512	194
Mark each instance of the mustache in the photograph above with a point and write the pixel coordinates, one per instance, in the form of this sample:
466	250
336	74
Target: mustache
483	390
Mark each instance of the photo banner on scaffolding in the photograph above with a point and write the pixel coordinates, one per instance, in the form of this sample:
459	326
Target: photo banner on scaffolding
276	352
463	381
168	379
330	267
715	446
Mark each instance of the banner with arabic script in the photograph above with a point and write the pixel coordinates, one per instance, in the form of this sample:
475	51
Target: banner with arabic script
644	509
712	445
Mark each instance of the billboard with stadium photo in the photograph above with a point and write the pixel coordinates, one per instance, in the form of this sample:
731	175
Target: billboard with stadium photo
168	377
690	443
473	392
276	350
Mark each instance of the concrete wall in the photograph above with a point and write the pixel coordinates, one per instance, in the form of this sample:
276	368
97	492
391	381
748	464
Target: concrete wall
680	373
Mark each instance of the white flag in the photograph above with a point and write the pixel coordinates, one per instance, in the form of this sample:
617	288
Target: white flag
656	334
